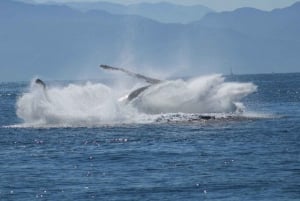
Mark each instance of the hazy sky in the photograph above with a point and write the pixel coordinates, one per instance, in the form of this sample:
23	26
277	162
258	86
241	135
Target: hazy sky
218	5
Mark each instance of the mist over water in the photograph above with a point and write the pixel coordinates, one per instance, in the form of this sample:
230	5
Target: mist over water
92	104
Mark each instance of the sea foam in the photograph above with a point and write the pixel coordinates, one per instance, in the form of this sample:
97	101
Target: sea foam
92	104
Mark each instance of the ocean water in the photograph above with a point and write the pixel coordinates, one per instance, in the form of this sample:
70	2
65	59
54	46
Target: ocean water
76	141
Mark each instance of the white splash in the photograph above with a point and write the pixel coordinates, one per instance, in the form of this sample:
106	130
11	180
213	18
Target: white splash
93	104
70	105
208	94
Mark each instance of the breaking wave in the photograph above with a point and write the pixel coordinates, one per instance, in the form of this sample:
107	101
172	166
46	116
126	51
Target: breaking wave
93	104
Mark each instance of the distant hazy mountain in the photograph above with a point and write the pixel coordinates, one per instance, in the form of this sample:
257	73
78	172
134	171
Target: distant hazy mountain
57	42
162	12
277	24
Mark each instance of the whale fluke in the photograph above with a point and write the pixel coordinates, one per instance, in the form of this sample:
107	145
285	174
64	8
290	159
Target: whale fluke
136	75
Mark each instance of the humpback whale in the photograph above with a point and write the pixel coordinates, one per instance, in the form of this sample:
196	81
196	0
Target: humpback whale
151	82
146	101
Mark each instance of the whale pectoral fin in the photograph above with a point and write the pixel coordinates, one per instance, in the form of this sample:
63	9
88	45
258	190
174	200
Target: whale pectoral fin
40	82
136	75
136	93
43	85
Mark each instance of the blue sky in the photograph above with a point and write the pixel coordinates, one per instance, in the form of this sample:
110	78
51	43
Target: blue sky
218	5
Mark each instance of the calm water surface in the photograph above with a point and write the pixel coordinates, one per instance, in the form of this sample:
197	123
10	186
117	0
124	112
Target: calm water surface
249	159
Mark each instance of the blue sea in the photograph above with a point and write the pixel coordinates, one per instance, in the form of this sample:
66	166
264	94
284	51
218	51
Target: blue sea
53	148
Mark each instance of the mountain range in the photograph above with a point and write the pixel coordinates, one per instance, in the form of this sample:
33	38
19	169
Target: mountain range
163	12
61	42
